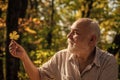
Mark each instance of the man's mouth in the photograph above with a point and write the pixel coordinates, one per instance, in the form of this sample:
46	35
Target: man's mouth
70	41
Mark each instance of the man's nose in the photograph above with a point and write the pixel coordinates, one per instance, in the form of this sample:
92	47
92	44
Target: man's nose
69	35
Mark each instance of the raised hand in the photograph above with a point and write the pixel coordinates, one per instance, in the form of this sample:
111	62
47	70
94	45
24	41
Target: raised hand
16	50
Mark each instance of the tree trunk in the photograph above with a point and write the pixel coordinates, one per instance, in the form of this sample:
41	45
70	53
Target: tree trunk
116	41
1	55
89	3
49	35
1	65
16	9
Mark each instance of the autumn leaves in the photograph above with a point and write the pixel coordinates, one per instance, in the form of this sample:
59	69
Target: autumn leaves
14	35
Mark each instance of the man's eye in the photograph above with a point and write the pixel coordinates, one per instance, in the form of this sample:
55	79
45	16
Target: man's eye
75	32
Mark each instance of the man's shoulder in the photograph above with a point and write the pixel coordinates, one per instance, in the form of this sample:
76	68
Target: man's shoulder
62	52
106	57
105	54
60	57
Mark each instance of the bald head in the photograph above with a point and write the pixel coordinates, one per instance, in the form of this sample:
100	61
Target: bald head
90	26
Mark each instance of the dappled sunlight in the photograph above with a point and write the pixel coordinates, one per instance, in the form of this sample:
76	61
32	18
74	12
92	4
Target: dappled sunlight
41	27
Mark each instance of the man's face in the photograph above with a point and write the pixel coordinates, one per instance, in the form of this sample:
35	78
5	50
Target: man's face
78	39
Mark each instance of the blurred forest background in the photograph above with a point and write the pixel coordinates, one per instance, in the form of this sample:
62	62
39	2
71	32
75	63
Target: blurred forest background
44	24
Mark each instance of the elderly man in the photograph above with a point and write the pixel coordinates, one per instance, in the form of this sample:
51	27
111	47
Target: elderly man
82	60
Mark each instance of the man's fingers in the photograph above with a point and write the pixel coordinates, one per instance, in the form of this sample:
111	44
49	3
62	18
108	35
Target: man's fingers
11	43
13	46
14	42
13	52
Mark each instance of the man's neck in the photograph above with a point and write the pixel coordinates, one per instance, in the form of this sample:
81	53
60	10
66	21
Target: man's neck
87	58
84	61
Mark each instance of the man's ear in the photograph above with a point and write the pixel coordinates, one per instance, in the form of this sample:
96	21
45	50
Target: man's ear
93	40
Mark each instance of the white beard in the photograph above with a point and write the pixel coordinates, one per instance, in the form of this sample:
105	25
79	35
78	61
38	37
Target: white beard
72	48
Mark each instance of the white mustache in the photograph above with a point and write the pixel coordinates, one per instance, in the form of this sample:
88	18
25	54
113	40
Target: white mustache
69	41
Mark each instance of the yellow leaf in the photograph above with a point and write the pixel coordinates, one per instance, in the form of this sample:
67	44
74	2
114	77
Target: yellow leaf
35	19
78	14
14	35
30	30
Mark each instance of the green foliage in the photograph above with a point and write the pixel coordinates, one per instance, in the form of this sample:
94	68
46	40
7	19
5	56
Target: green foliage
38	57
38	23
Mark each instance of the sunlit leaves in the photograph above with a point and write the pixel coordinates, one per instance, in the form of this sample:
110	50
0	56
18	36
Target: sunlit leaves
30	21
78	14
31	31
41	56
3	6
2	23
38	19
14	35
100	4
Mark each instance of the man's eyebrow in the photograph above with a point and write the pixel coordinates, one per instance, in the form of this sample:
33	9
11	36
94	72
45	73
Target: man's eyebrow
76	30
